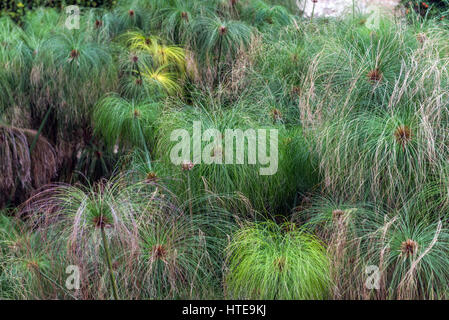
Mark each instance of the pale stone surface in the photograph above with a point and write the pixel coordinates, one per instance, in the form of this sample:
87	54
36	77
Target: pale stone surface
332	8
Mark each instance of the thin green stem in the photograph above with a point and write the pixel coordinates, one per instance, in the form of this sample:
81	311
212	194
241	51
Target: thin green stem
218	67
56	284
147	153
190	195
138	70
353	10
108	260
313	11
39	131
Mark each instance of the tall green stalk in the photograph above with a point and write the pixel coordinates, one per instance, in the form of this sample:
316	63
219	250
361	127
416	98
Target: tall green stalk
138	70
353	10
304	9
39	131
218	67
313	11
108	260
190	194
147	153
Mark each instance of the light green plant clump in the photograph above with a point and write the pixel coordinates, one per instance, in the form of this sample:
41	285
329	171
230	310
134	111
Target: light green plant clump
270	261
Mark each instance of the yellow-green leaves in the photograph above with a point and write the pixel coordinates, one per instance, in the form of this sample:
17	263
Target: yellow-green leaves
168	62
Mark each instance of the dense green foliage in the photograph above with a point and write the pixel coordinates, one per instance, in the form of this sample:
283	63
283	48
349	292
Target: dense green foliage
270	261
16	9
433	8
359	116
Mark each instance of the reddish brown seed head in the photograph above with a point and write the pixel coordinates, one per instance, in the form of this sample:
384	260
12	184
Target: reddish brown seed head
115	265
33	265
151	177
276	114
139	81
403	135
159	252
134	58
74	54
421	37
98	23
101	221
222	30
337	214
296	91
409	247
131	13
187	165
375	75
